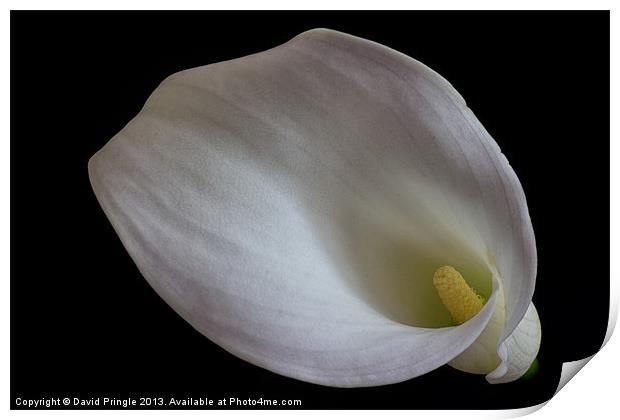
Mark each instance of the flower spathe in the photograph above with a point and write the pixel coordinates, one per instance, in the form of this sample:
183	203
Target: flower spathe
293	206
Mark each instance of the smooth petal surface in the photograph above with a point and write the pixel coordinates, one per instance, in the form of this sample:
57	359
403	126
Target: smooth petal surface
519	350
515	355
482	356
292	206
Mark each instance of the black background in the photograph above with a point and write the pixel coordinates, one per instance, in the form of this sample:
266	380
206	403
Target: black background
85	323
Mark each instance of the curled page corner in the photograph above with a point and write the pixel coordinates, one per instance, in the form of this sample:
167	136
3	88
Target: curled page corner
570	369
519	412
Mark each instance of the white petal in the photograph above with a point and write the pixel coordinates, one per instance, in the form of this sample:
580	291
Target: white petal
481	357
292	206
519	350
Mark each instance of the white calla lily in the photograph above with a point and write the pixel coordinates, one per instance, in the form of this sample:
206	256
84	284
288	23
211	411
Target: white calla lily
294	204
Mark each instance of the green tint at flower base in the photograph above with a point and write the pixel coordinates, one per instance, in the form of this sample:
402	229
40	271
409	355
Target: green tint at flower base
532	371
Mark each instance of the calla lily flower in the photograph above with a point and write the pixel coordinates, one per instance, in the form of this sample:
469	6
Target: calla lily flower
329	210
